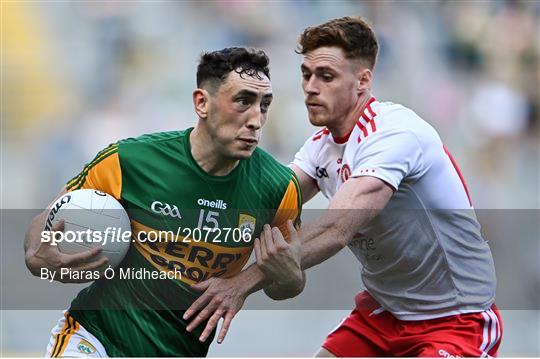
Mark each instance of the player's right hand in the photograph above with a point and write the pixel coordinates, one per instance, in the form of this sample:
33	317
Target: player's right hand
49	256
281	260
220	298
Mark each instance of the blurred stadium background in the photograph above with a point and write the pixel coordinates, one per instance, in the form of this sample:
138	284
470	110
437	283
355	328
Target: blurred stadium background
76	76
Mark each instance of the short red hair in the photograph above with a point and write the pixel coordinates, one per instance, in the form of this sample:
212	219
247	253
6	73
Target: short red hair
352	34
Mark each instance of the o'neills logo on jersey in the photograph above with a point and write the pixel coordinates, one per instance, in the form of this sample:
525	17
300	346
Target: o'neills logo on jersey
218	203
345	172
165	209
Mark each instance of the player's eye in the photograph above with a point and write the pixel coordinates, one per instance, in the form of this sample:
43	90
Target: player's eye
306	76
327	77
264	106
242	101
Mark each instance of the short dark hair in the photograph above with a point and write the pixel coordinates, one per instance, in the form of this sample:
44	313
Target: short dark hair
215	66
352	34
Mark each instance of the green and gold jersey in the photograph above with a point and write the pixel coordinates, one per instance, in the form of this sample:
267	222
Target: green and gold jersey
168	197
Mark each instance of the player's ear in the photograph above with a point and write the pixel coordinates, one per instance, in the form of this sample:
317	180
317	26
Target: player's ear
364	77
201	102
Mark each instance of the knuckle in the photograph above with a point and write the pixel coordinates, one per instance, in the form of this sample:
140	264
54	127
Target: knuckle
219	299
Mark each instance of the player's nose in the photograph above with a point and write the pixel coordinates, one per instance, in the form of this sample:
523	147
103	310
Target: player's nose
255	120
311	87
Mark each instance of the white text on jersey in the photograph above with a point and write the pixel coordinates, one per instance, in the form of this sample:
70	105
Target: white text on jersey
219	203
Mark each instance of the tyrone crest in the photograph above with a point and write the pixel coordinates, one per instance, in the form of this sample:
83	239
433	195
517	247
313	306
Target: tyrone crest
345	172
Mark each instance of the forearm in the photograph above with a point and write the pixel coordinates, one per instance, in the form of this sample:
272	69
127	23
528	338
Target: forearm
32	239
356	204
33	234
334	230
252	279
320	240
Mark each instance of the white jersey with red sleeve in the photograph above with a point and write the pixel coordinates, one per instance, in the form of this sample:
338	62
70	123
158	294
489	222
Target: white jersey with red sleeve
423	256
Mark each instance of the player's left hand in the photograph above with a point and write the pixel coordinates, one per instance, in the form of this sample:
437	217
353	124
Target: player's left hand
222	298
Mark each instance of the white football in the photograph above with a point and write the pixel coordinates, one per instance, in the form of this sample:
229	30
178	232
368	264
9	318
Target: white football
91	218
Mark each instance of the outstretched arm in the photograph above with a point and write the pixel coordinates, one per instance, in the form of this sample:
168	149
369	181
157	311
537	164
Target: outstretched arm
356	203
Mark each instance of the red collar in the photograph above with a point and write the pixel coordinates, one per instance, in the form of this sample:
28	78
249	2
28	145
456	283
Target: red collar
344	139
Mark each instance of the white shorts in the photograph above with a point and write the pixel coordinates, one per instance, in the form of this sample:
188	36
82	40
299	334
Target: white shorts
70	339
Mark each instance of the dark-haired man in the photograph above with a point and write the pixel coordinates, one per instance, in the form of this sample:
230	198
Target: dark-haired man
215	177
397	200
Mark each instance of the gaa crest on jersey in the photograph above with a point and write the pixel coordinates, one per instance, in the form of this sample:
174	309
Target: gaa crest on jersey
85	347
165	209
345	172
246	222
